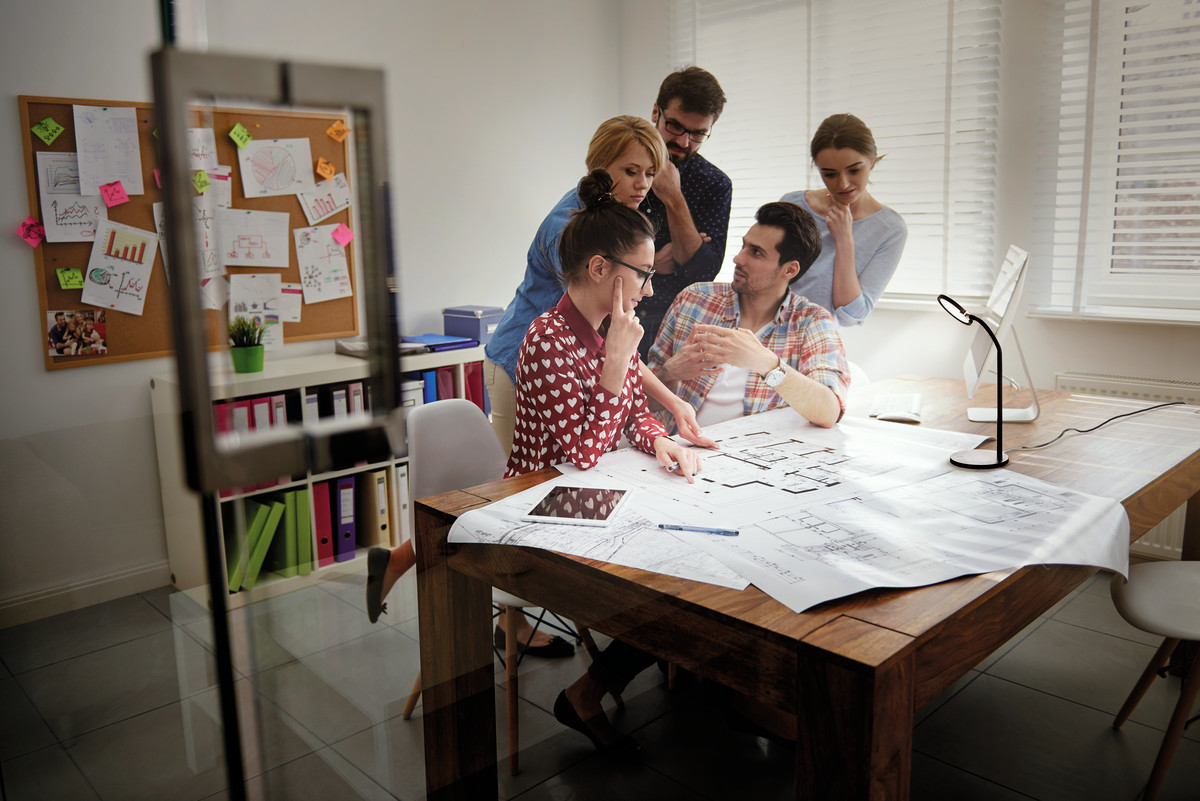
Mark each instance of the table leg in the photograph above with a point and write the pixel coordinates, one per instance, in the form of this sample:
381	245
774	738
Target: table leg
458	689
855	716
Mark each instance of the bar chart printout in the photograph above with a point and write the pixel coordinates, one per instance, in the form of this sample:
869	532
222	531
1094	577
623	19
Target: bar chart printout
330	197
118	272
126	246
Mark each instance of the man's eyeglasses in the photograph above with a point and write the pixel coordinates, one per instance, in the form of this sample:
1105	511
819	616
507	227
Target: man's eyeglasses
675	129
645	274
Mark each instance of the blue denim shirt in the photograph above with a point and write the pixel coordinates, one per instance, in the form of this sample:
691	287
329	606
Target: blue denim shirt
540	290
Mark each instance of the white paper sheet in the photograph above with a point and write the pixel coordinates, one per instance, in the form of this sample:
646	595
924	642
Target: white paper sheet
292	302
66	215
258	296
276	167
329	198
324	273
214	293
202	149
118	271
107	145
254	238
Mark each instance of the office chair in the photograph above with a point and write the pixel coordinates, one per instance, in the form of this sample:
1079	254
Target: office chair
1162	598
451	445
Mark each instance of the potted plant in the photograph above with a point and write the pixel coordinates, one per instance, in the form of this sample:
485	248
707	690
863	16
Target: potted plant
245	344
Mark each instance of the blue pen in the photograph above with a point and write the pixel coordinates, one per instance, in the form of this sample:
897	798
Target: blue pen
724	532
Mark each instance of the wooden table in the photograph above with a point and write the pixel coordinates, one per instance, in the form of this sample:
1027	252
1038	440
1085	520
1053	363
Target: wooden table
854	670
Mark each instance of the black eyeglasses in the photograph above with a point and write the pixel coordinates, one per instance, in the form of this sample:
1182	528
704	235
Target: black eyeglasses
675	129
645	274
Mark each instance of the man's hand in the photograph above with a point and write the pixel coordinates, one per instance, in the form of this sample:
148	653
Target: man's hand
664	260
666	184
736	346
669	453
688	362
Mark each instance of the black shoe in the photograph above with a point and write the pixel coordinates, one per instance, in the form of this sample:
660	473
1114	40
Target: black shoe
624	749
557	648
377	563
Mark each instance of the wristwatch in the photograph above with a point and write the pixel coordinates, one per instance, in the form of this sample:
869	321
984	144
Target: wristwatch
775	377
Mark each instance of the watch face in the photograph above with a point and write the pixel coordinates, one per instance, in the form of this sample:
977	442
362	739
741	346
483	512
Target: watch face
774	378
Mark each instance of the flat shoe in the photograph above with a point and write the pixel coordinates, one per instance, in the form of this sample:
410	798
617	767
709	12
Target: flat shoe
625	749
377	563
557	648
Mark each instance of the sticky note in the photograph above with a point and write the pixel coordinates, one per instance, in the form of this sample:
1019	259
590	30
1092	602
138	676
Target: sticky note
47	130
337	131
325	169
70	277
113	194
201	181
240	136
157	178
342	235
31	231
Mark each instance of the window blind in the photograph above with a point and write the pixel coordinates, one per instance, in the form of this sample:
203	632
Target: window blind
922	74
1125	235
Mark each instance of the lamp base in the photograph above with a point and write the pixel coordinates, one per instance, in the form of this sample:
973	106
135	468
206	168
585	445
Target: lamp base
979	460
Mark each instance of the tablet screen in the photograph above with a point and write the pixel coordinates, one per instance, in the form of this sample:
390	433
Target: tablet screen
588	505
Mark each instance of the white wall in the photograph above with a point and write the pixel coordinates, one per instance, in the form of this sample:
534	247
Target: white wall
491	106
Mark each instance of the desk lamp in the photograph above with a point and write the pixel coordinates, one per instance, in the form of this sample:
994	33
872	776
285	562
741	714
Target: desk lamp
977	459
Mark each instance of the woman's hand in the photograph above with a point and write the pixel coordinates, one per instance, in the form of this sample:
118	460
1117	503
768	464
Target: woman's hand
624	330
689	429
670	453
840	222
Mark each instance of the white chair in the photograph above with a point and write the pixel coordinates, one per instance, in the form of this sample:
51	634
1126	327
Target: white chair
1162	598
451	445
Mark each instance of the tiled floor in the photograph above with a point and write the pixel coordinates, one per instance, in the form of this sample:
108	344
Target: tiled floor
117	701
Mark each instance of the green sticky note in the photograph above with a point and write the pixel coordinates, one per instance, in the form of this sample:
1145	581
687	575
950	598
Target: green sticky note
201	181
70	277
240	136
47	130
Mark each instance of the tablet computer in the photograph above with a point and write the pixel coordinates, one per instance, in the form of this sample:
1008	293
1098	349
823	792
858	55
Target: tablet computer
581	506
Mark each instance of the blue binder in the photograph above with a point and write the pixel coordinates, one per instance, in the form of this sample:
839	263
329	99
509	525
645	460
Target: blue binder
343	519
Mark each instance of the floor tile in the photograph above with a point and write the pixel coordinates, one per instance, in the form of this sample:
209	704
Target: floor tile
44	642
22	729
321	775
932	779
45	774
178	607
87	692
1096	612
595	779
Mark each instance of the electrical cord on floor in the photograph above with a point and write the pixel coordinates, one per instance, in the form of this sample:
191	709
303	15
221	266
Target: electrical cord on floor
1093	428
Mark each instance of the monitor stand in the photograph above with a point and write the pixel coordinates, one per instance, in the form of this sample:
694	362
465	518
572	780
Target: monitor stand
979	414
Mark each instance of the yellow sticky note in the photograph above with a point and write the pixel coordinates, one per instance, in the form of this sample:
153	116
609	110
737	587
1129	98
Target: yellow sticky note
201	181
240	136
325	169
70	277
337	131
47	130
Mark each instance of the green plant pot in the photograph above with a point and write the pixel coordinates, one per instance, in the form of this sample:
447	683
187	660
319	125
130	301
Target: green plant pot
247	360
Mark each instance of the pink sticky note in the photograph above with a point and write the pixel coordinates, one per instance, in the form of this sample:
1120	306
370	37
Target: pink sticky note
33	233
342	235
157	178
113	194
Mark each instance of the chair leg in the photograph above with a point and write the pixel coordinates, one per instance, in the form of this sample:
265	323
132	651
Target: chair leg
510	670
1187	697
412	699
585	634
1145	680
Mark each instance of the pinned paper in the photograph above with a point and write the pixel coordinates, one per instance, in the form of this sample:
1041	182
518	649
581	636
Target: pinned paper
202	148
113	194
157	178
70	277
324	271
31	231
325	169
66	215
240	136
337	131
118	272
277	167
329	198
292	297
342	234
201	181
106	143
48	130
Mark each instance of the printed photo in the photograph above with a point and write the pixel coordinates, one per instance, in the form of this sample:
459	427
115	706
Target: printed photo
76	332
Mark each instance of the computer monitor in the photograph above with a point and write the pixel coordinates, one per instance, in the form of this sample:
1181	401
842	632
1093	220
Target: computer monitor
1000	312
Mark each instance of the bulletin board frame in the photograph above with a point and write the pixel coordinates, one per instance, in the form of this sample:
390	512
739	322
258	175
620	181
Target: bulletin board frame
129	336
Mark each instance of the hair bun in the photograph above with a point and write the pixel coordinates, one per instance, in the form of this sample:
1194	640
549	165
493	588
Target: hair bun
596	189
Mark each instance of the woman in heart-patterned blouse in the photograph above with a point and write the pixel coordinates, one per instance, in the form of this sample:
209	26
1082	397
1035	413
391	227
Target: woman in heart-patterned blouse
578	383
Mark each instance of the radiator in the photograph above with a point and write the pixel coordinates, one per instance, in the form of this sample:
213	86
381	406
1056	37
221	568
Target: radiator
1164	541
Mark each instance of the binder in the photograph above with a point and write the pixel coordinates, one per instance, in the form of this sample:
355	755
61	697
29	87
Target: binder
312	407
445	383
430	379
304	538
358	404
323	522
223	423
242	422
260	418
279	419
374	511
282	558
339	402
259	553
343	519
243	551
473	378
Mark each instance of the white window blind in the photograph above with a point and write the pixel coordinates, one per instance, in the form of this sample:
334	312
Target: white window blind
922	74
1125	235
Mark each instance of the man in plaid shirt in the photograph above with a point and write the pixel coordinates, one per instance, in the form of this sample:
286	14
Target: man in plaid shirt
751	345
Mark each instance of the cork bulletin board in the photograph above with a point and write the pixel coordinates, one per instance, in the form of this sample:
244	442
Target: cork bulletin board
127	336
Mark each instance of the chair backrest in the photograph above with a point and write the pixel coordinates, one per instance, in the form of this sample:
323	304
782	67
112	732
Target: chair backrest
451	445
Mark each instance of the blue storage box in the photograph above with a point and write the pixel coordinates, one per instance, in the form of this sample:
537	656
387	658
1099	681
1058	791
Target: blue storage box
473	322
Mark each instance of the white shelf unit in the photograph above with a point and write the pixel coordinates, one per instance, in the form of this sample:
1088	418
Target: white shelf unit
182	512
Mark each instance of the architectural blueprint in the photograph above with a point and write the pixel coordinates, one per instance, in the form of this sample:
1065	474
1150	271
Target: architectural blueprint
824	513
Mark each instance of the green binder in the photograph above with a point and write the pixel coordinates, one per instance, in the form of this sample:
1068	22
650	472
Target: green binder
284	552
244	551
304	542
258	552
